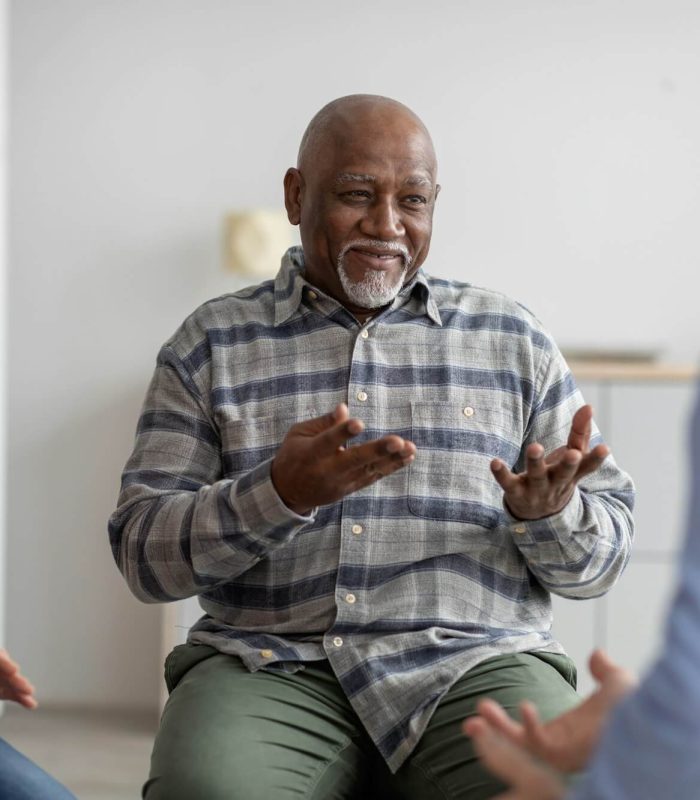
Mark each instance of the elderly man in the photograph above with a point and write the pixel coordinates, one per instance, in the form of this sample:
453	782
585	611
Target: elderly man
373	479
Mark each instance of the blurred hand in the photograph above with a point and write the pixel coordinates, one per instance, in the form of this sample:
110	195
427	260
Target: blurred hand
313	467
13	685
528	779
548	483
567	742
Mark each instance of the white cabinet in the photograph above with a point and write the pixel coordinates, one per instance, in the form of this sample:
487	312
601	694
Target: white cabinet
643	414
648	431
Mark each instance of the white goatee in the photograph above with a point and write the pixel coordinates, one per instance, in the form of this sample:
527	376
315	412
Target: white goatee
377	288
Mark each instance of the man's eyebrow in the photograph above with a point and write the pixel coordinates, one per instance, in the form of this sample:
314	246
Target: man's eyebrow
418	180
354	177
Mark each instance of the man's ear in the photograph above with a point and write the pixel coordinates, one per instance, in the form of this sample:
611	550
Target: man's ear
437	190
293	191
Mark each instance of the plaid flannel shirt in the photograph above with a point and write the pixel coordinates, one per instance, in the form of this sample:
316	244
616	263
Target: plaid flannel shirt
408	583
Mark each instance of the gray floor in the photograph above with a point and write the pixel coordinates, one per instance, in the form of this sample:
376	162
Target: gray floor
97	756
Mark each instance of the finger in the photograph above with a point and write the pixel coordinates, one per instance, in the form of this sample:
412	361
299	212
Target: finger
317	425
534	731
19	683
474	726
507	762
333	438
7	665
600	664
388	449
370	471
27	700
580	433
508	481
8	693
602	668
535	467
497	717
564	471
517	768
592	461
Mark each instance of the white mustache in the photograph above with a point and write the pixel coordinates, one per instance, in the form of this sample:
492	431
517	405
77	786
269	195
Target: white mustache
378	244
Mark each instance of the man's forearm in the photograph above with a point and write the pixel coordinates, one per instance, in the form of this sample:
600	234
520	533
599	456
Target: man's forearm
174	544
581	551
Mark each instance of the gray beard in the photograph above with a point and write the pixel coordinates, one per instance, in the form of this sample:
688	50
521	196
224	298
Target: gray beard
377	288
374	291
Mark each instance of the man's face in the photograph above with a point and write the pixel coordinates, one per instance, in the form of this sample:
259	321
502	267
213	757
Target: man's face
365	204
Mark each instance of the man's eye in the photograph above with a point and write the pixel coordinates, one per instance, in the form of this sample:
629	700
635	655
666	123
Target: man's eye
416	199
356	194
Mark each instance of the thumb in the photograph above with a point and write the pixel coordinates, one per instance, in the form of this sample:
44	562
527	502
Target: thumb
580	433
601	665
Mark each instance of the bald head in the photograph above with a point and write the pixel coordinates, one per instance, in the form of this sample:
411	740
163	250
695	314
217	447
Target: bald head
363	194
338	119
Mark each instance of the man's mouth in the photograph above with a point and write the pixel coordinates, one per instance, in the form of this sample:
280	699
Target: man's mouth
376	255
377	259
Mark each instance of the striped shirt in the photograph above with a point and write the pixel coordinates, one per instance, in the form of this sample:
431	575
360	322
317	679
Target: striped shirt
408	583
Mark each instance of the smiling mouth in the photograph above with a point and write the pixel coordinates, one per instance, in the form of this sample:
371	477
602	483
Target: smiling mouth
377	259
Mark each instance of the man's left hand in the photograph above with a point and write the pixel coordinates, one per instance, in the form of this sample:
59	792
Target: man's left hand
548	482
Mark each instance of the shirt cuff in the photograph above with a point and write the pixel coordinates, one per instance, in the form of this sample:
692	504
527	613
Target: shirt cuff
548	529
263	511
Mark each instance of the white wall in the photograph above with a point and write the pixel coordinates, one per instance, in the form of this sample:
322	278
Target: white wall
569	142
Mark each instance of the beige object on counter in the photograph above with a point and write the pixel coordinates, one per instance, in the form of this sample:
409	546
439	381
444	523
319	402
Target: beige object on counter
255	240
632	370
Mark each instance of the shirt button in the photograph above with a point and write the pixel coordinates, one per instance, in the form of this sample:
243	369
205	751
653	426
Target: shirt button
356	529
362	396
350	598
313	295
468	411
266	653
519	528
365	333
337	641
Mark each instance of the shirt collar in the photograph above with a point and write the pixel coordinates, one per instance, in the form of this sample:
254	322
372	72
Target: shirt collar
290	285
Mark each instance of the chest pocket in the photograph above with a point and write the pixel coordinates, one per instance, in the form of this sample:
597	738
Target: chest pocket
451	479
247	442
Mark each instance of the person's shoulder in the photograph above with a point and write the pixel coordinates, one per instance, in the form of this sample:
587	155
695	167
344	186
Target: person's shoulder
225	317
454	297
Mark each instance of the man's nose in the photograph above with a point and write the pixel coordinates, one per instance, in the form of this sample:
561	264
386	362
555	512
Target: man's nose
383	221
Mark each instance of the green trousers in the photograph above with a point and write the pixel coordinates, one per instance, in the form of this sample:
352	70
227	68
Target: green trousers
229	734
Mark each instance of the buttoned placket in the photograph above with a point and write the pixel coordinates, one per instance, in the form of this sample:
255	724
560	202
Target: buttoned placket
361	404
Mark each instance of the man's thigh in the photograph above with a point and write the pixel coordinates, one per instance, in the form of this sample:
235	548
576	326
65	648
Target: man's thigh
444	764
229	733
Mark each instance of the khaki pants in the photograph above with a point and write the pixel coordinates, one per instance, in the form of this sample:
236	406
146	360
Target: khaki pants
229	734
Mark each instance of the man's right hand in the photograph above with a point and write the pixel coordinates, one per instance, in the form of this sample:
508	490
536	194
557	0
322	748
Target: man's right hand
313	467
